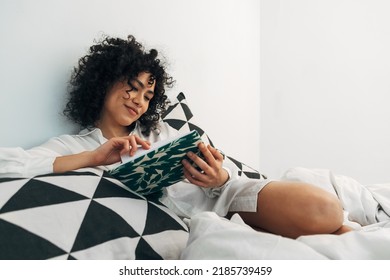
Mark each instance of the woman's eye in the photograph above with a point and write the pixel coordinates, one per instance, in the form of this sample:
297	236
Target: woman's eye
132	88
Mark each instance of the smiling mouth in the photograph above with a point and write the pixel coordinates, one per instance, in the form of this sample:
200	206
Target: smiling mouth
132	111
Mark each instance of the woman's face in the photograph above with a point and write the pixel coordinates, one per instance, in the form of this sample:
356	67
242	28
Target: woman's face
125	103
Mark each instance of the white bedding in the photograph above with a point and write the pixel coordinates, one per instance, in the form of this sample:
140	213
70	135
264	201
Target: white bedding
366	209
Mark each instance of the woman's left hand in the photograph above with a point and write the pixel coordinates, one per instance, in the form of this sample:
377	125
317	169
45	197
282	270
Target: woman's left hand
212	174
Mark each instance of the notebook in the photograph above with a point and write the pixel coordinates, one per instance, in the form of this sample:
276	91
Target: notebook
149	171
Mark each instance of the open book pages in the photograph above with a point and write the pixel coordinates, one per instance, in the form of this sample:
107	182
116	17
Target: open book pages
148	171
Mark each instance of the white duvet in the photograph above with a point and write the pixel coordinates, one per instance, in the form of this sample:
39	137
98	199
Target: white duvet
366	209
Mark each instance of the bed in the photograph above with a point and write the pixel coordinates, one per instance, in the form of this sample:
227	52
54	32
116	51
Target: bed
87	214
366	210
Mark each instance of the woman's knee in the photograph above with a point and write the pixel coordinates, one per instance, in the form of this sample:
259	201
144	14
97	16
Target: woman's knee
325	214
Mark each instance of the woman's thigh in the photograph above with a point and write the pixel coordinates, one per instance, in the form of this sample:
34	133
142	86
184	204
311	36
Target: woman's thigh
293	209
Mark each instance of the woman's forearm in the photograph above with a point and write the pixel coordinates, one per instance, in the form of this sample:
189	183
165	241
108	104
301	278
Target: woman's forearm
73	162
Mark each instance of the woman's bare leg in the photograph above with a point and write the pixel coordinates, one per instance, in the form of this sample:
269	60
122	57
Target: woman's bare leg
292	209
343	229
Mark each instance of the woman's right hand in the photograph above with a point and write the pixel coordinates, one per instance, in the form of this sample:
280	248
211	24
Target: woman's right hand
108	153
111	151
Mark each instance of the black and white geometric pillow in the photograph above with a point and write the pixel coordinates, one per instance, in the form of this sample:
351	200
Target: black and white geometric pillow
82	215
180	117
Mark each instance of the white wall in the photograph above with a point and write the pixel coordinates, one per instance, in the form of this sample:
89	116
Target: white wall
325	87
213	47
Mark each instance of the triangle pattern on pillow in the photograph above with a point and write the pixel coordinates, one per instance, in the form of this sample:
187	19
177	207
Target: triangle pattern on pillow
42	218
35	193
180	117
15	239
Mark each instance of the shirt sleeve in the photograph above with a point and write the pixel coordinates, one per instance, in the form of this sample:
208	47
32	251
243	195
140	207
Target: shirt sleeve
17	162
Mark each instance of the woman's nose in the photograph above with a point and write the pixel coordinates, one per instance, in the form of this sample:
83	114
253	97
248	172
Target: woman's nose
136	98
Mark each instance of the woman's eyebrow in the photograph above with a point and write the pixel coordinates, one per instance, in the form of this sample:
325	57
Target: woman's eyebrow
142	85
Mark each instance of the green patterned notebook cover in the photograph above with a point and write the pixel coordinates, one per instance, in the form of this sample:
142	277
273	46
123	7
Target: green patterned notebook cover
148	171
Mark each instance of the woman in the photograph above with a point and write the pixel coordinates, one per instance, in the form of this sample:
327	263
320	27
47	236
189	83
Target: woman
117	94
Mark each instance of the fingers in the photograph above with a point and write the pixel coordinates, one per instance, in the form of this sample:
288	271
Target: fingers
135	143
212	157
144	143
128	144
133	146
194	177
212	174
217	154
125	146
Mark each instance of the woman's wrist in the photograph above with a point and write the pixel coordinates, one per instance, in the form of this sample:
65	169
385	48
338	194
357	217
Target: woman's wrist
224	177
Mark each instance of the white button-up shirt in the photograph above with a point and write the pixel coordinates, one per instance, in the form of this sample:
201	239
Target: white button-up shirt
184	198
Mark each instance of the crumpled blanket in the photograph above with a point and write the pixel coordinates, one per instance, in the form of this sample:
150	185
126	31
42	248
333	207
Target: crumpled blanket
363	204
366	209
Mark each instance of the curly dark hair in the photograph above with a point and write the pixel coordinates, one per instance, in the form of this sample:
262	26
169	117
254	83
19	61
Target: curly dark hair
107	62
